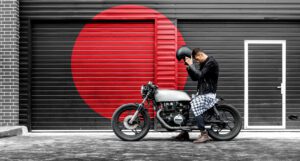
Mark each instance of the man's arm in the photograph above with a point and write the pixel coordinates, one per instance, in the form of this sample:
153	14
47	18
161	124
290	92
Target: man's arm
199	74
191	73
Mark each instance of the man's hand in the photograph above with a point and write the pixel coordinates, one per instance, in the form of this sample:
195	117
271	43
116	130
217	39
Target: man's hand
188	60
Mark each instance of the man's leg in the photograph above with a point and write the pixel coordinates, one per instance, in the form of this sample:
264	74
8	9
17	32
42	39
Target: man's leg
201	125
200	122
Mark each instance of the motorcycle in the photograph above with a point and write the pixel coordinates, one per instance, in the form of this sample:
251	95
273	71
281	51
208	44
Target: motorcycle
131	122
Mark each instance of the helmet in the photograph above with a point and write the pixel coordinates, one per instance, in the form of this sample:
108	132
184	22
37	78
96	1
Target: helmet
182	52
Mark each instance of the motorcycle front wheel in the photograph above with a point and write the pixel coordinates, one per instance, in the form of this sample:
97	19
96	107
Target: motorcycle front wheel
130	131
231	123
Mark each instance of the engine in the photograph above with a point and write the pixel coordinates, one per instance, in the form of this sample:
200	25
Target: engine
175	113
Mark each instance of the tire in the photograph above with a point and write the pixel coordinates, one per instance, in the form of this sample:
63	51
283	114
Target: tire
236	129
119	133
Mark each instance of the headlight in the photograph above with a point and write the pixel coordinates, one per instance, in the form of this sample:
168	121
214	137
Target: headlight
142	89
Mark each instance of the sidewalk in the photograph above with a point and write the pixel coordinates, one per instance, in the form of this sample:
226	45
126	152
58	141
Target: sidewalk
155	146
193	135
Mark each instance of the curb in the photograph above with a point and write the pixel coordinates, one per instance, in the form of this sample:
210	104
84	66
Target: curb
9	131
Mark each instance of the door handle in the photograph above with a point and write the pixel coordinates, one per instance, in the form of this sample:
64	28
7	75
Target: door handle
280	87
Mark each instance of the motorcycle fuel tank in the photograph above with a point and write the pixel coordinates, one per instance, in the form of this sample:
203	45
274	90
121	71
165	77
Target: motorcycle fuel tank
165	95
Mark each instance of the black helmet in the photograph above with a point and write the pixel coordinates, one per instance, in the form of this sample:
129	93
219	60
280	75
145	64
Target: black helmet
183	52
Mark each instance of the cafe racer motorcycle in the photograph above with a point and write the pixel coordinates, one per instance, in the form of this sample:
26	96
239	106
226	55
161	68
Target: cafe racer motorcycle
131	122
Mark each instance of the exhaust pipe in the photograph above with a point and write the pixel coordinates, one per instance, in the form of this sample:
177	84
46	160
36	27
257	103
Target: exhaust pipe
176	128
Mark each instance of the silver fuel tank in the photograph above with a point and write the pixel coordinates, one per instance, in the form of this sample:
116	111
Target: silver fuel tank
166	95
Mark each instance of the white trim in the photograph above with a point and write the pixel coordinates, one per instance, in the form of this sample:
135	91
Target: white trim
71	130
283	85
270	130
111	131
246	85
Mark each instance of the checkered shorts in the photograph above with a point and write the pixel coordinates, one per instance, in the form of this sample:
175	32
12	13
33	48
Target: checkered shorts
201	103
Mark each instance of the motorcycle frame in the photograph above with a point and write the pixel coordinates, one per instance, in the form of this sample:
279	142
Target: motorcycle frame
157	110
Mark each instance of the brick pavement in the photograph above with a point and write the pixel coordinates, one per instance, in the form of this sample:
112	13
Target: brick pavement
155	146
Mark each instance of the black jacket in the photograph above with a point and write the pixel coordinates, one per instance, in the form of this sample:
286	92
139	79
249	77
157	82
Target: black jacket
207	75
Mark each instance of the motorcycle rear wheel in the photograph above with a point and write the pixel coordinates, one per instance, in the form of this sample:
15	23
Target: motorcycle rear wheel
126	131
235	120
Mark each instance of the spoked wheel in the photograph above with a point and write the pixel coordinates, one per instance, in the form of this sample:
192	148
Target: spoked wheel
130	131
230	125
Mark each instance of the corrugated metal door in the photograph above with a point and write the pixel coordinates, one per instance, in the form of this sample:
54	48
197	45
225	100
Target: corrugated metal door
77	82
225	41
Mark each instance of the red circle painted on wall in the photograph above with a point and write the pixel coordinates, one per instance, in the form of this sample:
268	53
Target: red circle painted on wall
114	55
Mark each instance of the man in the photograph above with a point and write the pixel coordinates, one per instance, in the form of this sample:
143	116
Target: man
207	77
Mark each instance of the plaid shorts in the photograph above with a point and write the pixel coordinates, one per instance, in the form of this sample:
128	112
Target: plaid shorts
201	103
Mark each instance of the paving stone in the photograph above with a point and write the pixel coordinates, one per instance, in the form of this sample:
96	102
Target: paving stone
155	146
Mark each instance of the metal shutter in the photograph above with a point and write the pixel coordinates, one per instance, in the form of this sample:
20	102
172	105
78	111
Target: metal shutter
113	59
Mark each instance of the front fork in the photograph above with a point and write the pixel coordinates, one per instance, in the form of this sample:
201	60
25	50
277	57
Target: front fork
140	107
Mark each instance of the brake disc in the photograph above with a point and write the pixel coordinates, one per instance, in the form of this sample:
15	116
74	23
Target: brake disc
127	125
